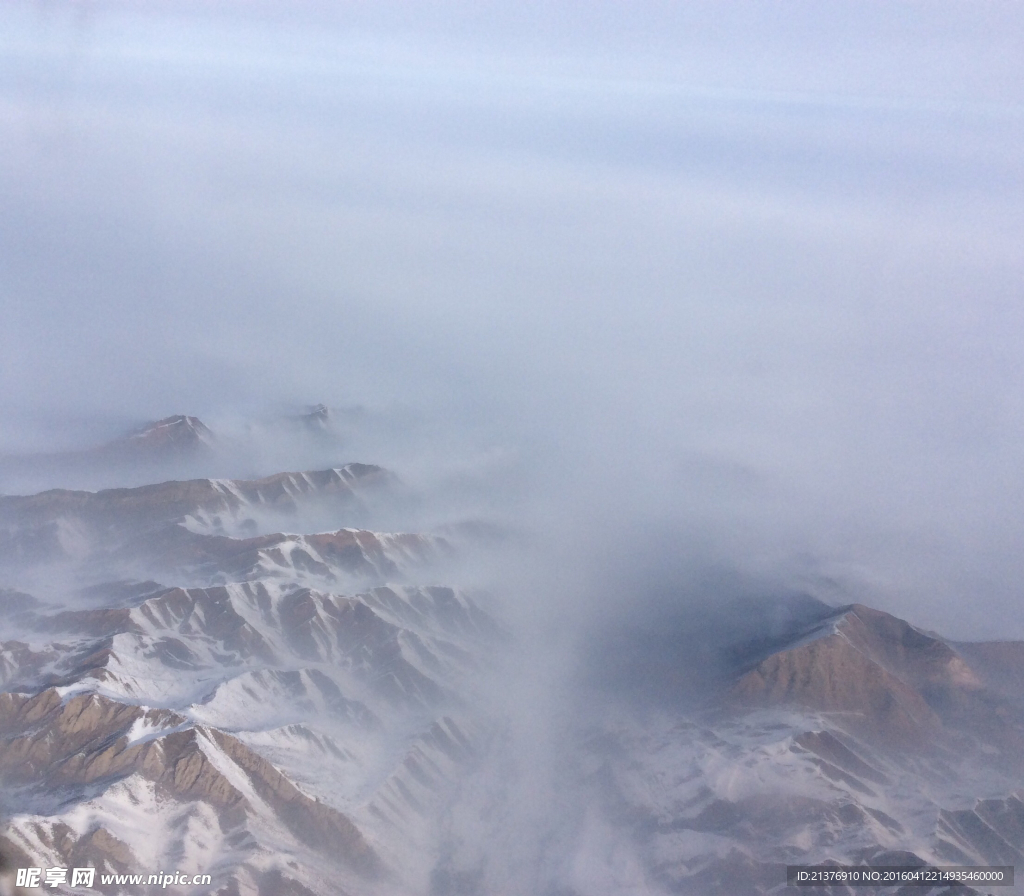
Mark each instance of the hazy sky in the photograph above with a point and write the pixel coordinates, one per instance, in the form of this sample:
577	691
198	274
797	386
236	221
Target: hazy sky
747	270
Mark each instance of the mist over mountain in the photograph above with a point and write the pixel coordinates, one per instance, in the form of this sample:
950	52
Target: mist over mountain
759	267
510	448
255	679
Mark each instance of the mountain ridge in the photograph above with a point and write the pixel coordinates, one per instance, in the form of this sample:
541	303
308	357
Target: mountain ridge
317	710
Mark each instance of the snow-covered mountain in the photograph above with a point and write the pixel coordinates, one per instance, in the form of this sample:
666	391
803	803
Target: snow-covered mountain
851	736
246	678
278	716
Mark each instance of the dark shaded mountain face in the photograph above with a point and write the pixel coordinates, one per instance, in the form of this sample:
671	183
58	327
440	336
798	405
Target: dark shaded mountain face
317	417
247	678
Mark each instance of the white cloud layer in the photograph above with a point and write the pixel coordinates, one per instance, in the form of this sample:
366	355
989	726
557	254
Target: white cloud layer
745	272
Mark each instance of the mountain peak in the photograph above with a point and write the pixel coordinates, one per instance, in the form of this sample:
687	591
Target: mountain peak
317	417
178	433
878	673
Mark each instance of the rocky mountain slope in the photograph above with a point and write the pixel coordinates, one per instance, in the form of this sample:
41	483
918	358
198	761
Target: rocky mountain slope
279	717
249	679
851	736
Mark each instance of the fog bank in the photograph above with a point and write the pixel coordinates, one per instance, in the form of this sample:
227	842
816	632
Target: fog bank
727	281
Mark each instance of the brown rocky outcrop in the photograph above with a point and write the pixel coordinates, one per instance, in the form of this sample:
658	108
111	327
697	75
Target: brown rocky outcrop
877	675
85	739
